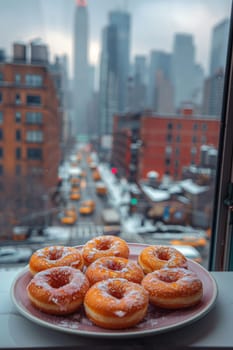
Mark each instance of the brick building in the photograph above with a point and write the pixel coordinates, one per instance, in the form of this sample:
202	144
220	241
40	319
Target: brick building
30	135
165	144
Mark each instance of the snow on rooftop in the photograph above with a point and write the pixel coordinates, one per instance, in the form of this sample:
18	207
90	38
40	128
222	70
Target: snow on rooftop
154	194
189	186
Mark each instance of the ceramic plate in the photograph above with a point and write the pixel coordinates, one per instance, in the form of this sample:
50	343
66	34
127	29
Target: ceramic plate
156	320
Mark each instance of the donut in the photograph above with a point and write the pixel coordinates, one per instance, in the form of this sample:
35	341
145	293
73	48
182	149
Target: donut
114	267
116	303
55	256
58	290
104	246
173	288
157	257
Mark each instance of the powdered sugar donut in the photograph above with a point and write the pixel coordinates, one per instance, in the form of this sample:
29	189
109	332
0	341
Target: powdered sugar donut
173	288
55	256
116	303
114	267
104	246
58	290
157	257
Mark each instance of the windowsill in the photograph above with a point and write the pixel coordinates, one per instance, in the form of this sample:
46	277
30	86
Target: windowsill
214	330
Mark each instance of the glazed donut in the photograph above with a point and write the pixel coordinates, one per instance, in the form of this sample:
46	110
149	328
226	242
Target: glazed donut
58	290
114	267
104	246
55	256
116	303
157	257
173	288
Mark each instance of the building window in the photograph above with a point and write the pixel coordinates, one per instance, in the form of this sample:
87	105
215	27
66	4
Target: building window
194	139
177	151
17	99
33	80
178	138
1	76
169	126
168	151
193	150
17	79
169	137
34	118
33	100
17	117
34	136
18	153
1	117
1	134
204	127
0	97
1	170
195	126
34	153
167	161
18	169
1	152
18	135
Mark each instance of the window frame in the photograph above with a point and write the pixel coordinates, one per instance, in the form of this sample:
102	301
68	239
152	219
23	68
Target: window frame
221	244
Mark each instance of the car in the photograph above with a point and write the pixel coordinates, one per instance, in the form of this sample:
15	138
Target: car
14	254
101	189
96	175
196	242
75	195
69	217
86	208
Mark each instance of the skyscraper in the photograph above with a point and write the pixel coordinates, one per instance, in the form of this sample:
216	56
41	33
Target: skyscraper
121	21
219	44
160	63
81	78
114	69
183	69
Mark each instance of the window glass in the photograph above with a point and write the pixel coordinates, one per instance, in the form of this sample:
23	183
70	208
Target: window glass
96	95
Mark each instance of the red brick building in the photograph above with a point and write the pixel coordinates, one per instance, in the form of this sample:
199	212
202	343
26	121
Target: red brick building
30	135
165	144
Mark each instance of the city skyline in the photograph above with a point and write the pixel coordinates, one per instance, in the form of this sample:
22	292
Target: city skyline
58	32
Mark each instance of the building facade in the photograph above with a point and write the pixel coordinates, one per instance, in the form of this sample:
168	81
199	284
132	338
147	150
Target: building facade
81	69
164	144
30	137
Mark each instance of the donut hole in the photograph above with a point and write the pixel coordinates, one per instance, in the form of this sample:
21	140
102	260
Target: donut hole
59	280
55	254
114	265
116	293
163	255
103	245
169	277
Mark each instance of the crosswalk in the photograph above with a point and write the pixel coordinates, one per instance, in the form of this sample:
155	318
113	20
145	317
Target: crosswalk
83	232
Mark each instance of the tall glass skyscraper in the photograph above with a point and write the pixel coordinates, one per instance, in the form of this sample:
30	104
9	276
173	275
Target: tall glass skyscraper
81	78
121	21
183	69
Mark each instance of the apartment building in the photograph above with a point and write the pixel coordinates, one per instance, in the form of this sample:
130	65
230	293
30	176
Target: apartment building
165	144
30	135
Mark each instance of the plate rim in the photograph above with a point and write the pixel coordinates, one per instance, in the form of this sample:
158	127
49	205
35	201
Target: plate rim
116	333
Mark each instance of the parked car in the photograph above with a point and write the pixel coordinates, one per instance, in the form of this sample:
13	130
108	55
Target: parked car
14	255
86	208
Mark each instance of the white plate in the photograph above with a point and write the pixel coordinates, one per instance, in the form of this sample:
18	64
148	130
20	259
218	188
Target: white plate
156	320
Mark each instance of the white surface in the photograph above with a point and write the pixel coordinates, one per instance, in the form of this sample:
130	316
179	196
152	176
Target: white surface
214	330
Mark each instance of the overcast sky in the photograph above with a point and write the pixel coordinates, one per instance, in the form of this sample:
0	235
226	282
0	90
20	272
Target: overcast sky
153	23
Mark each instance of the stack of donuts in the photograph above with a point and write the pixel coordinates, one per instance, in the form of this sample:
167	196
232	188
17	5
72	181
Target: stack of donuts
114	290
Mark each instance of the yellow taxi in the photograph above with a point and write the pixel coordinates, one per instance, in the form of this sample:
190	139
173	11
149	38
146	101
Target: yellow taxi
87	208
101	189
196	242
96	175
75	182
69	217
75	195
